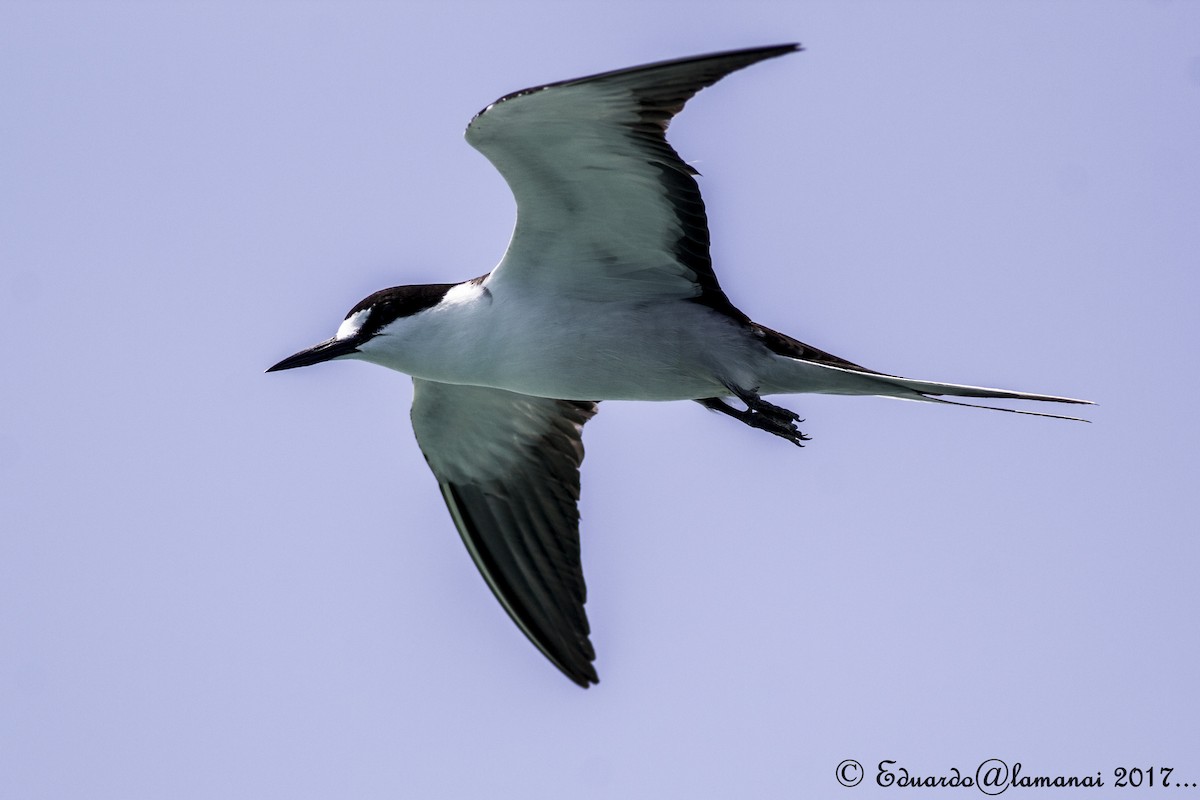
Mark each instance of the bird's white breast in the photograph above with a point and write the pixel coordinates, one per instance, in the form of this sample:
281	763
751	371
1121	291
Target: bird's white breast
568	348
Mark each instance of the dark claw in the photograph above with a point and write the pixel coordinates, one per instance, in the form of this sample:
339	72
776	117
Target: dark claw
760	414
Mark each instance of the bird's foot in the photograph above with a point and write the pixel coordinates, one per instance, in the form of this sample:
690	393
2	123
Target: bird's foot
760	414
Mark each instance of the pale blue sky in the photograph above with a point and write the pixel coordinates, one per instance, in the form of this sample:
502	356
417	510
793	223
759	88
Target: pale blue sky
216	583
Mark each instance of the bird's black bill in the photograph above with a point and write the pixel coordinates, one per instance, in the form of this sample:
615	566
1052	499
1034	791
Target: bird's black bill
325	351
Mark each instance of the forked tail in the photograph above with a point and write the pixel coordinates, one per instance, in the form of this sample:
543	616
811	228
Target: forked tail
810	376
929	391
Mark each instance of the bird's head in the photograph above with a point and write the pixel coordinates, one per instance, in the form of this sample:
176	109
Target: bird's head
372	316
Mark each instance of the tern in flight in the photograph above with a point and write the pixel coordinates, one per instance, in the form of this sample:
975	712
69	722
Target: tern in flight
606	292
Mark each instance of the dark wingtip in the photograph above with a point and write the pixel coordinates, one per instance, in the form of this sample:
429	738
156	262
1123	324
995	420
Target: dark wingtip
577	667
584	681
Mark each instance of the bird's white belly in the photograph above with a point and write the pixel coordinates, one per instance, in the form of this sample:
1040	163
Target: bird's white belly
581	350
617	354
621	366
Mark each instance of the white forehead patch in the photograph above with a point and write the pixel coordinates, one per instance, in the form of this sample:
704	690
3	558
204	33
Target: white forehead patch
352	324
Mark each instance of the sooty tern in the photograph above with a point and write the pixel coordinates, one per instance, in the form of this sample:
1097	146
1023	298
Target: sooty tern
606	292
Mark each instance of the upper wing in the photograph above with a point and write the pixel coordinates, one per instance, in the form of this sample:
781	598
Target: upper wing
605	206
508	466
